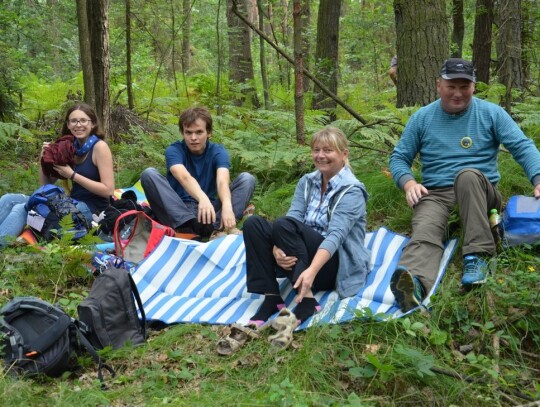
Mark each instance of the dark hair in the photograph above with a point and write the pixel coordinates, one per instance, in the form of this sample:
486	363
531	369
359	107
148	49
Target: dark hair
91	113
191	115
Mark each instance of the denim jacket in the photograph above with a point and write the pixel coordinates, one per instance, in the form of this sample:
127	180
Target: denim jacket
346	229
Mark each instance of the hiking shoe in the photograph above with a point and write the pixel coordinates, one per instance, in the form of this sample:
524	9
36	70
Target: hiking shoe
407	289
475	270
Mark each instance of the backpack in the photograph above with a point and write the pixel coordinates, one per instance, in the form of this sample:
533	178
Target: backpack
109	314
47	206
117	207
40	338
521	221
143	238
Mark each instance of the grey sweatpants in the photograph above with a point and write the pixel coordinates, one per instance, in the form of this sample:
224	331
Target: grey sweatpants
170	210
475	197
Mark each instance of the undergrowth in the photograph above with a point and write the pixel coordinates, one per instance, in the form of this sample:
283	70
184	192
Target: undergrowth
474	348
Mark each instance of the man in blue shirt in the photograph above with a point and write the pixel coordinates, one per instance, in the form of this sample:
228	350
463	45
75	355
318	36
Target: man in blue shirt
457	138
197	196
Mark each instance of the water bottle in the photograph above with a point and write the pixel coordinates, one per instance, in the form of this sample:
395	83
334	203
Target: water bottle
495	225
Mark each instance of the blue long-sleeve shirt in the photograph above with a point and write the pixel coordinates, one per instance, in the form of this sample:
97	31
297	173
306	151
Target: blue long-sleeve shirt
448	143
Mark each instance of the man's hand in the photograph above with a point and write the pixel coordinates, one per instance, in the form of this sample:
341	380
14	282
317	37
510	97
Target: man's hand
536	191
282	260
303	284
413	192
207	213
228	220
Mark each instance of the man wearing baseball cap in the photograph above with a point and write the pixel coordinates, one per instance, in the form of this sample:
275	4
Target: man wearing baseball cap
457	138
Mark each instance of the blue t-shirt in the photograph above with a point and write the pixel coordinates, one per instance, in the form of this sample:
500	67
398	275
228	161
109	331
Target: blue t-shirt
201	167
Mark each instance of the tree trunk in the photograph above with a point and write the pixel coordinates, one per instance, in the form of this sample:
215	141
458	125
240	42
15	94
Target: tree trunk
458	30
305	16
98	25
186	36
173	47
240	60
298	73
528	19
262	57
422	47
326	54
219	59
509	68
86	56
315	80
483	28
129	81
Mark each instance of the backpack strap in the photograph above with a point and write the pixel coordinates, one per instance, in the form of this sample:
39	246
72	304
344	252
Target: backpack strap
90	349
118	244
15	340
135	292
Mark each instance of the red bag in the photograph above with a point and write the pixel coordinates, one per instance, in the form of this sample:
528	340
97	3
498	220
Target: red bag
145	235
61	152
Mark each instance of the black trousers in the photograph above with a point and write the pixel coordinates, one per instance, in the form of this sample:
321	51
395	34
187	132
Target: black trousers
295	239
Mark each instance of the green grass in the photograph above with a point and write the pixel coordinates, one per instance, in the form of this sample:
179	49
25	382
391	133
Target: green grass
474	348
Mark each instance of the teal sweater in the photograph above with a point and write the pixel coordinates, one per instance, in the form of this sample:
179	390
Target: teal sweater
448	143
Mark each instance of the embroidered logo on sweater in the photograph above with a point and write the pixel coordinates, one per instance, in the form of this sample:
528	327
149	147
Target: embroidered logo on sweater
466	142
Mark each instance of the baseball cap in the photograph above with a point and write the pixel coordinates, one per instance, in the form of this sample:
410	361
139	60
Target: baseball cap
457	68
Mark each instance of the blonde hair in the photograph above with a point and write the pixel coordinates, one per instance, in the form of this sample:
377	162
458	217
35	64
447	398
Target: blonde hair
333	137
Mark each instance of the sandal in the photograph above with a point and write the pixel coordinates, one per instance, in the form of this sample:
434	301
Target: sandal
285	320
216	234
285	323
239	335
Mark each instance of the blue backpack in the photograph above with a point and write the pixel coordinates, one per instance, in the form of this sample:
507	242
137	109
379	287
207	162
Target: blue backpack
521	220
47	206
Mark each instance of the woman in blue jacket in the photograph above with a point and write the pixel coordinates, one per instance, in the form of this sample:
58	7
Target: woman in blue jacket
319	244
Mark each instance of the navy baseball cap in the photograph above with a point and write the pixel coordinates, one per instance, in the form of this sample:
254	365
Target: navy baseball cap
457	68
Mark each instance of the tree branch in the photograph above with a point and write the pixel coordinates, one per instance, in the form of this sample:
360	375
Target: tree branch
317	82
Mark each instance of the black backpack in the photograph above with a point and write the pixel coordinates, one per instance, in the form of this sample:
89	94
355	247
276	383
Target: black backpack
109	314
127	202
40	338
47	206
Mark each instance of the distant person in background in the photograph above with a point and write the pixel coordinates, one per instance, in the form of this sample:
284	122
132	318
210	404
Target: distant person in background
392	72
457	138
196	196
91	173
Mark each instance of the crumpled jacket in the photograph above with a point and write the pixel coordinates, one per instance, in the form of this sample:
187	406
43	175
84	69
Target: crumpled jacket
61	152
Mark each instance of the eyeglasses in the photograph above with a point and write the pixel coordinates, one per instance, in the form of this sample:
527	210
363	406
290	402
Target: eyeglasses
83	122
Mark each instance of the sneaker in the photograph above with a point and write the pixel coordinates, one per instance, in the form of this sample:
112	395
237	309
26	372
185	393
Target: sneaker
475	270
407	289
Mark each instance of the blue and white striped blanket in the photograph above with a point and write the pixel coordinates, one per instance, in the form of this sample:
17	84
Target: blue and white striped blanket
188	281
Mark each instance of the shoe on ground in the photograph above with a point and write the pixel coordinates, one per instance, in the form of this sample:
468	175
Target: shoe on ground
475	270
407	289
250	210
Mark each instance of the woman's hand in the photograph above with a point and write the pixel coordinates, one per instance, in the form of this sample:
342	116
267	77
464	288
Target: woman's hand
64	170
304	283
283	261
